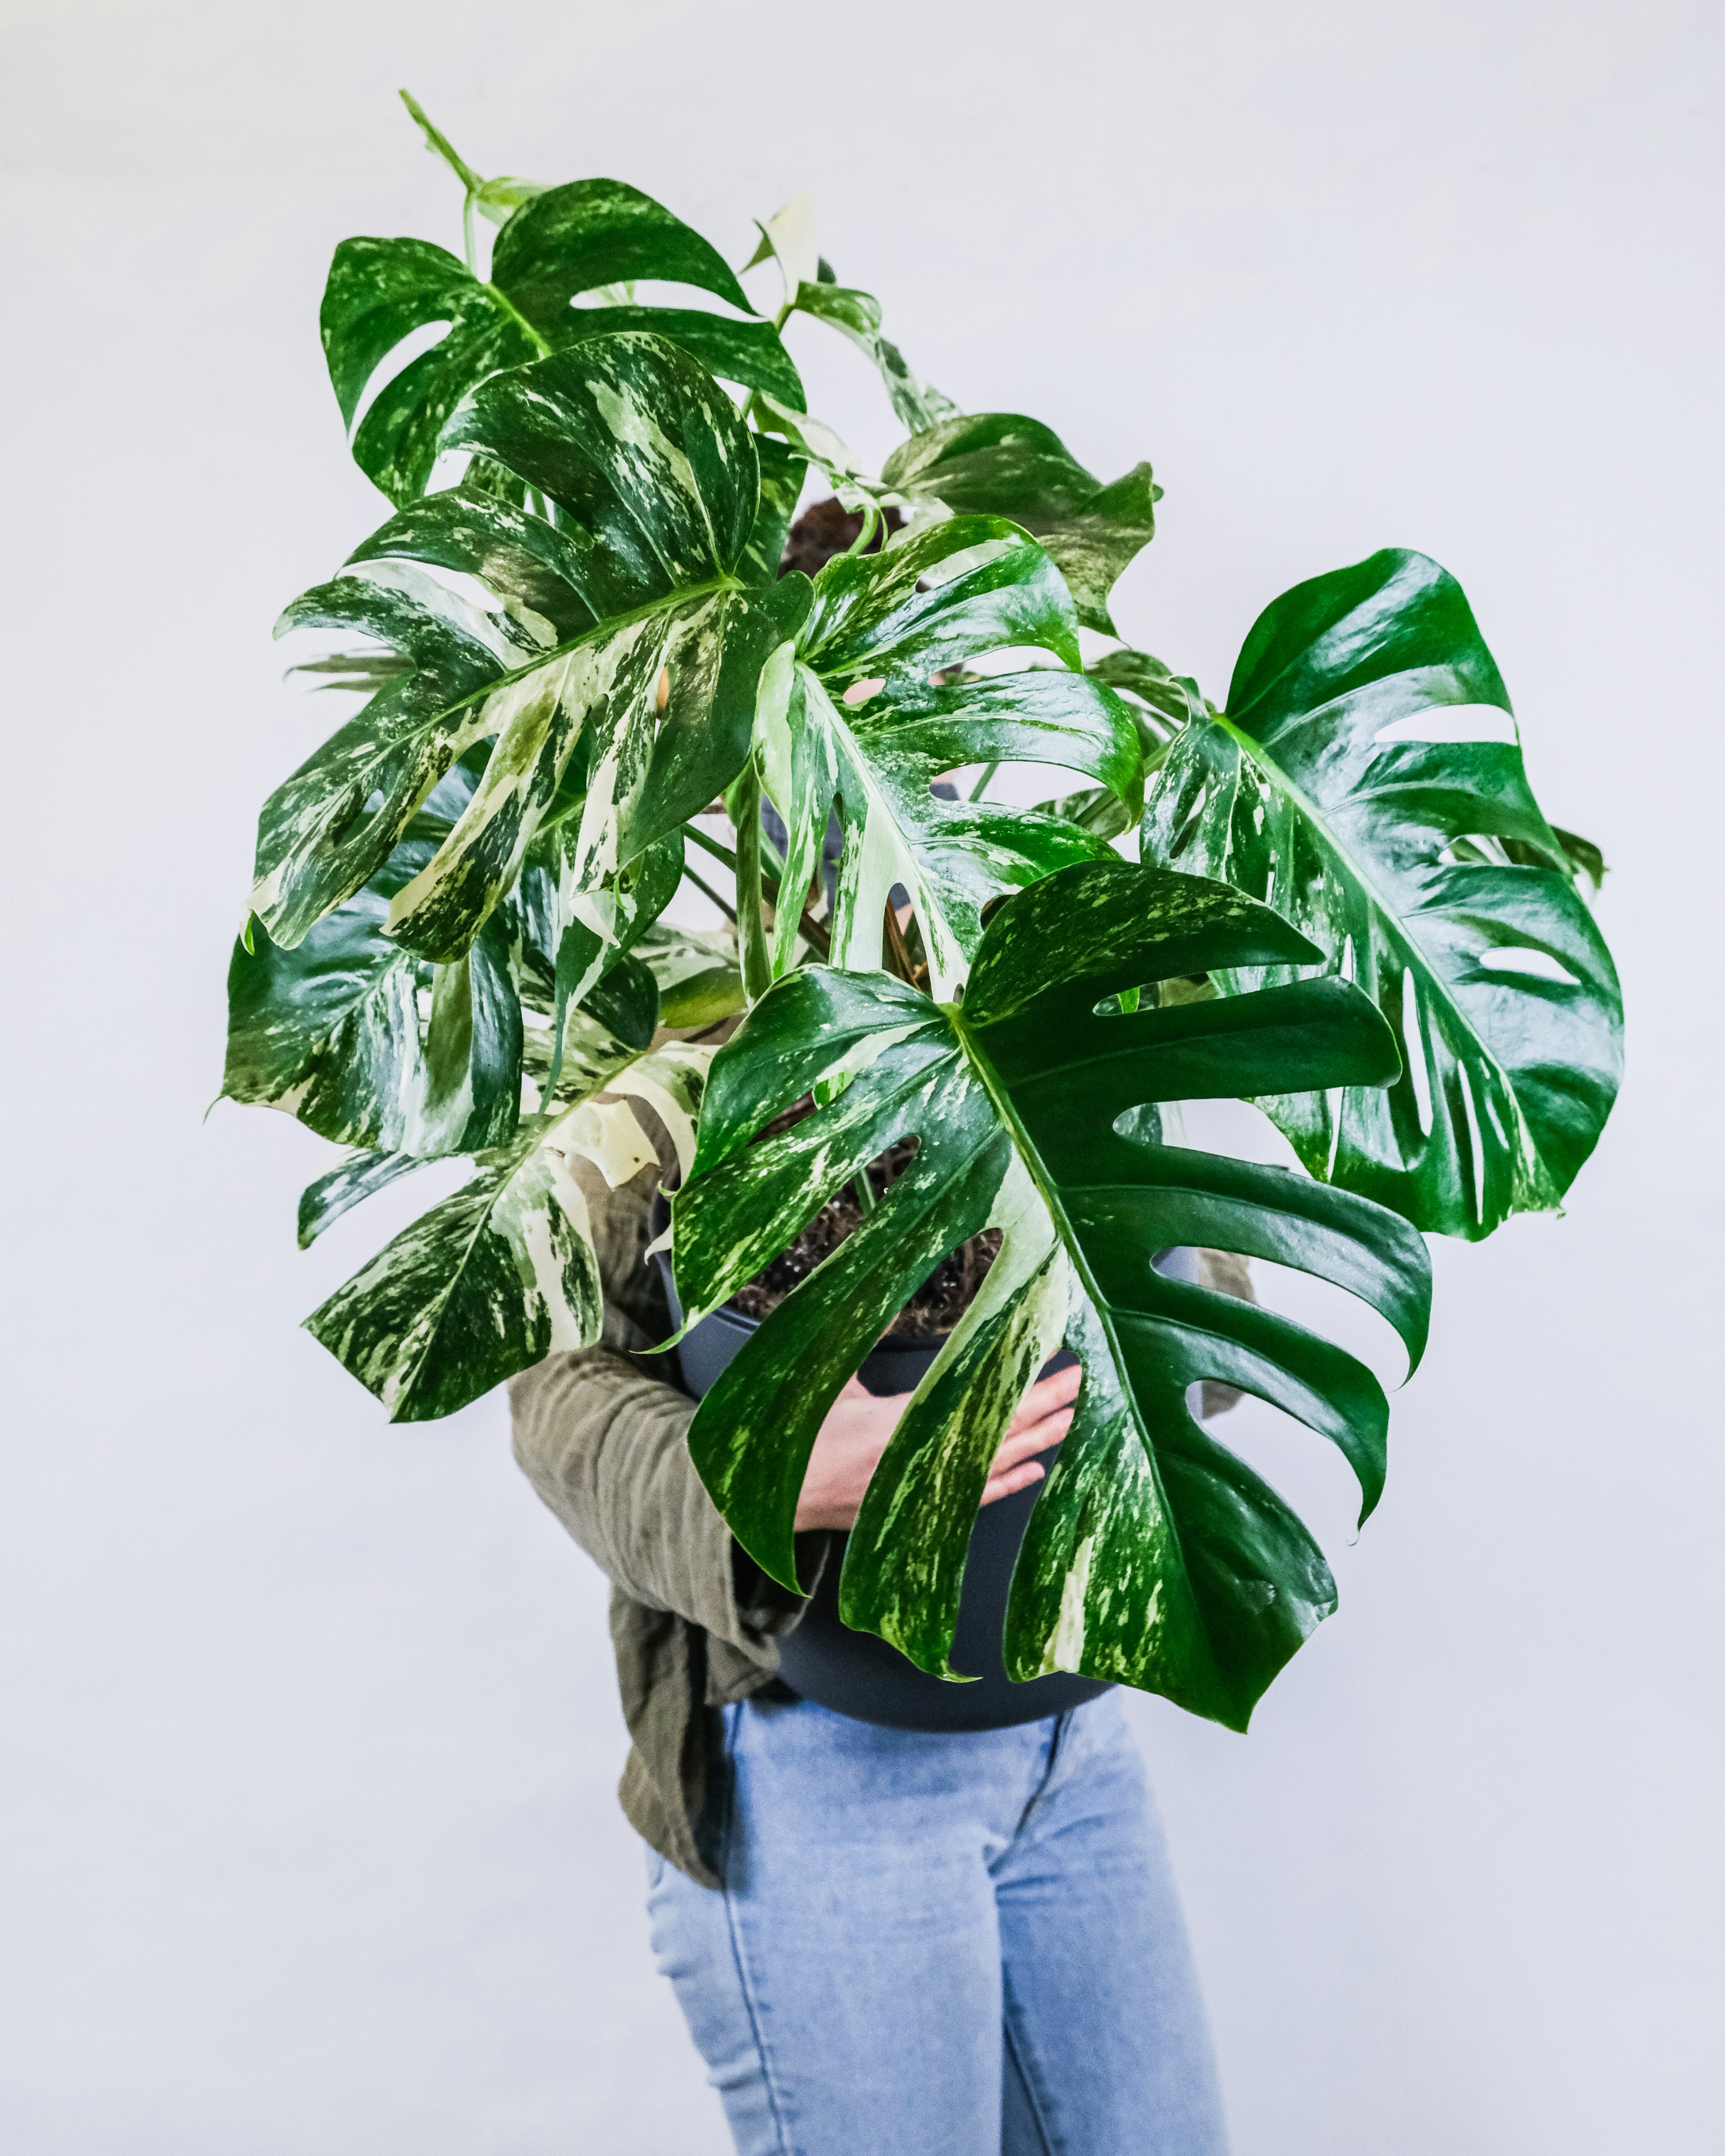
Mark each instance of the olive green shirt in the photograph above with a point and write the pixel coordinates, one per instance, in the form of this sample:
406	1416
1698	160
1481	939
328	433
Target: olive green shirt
600	1435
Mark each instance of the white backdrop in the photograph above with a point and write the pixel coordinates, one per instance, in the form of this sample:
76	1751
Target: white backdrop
309	1840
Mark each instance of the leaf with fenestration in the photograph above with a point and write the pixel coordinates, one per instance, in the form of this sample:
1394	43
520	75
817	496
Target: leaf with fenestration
1154	1555
503	1272
1368	781
1000	464
654	477
557	243
861	714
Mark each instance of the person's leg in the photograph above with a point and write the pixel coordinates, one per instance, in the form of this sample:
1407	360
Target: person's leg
844	1987
1104	2022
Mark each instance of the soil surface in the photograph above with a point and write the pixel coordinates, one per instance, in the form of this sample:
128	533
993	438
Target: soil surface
936	1305
826	528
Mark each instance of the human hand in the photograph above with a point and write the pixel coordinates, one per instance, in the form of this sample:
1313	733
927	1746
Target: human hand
852	1439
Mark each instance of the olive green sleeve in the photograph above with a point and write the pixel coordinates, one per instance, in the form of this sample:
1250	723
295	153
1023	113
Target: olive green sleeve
601	1435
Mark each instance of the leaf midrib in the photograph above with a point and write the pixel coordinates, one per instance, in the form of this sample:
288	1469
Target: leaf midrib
1049	1192
601	631
1414	953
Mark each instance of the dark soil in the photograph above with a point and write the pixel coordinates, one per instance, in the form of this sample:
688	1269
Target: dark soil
827	528
936	1305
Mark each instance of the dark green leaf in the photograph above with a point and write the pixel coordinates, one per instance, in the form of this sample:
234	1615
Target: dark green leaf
1154	1555
1368	778
557	243
1001	464
594	232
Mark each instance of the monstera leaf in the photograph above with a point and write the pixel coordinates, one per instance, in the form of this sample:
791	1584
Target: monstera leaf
370	1046
859	711
503	1272
331	1029
1367	779
559	242
654	481
1000	464
1154	1555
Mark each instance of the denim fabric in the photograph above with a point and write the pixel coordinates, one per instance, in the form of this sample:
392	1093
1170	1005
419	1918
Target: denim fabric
940	1945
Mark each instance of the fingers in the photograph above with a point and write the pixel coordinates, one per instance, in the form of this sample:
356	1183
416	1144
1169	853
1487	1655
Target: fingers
1046	1397
1030	1442
999	1485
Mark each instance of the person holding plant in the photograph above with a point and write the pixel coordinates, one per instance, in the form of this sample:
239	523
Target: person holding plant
952	1938
902	1913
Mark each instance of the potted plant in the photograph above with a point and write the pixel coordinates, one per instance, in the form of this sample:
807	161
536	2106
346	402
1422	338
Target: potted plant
1333	894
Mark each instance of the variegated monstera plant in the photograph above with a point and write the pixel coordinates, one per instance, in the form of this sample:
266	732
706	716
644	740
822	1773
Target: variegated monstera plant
575	642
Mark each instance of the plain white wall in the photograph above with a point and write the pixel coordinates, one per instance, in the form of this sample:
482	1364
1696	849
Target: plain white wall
308	1842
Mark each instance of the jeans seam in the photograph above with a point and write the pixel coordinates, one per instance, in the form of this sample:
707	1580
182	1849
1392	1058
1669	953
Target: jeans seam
1054	1745
1032	2095
737	1959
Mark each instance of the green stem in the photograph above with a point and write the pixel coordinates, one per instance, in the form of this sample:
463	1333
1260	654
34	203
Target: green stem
707	891
438	142
750	926
711	846
865	1197
983	784
772	875
470	238
870	524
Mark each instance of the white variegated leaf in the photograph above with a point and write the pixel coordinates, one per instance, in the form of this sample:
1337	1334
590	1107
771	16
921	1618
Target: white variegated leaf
503	1272
653	484
863	716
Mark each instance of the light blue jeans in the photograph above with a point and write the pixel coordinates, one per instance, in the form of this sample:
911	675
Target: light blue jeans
961	1945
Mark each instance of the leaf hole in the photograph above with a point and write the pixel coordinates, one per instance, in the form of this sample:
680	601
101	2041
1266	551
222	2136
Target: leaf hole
1416	1052
1452	722
397	360
860	692
1523	959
